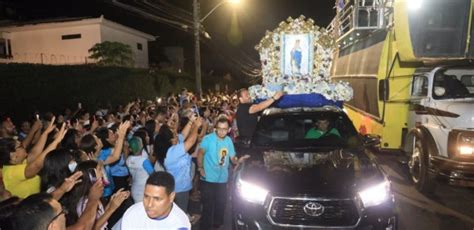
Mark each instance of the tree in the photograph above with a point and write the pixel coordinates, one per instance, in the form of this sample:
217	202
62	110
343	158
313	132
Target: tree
112	54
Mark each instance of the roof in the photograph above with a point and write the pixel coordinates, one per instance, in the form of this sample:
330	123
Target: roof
68	22
10	23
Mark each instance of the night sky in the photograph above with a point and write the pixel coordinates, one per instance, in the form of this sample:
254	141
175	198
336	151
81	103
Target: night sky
227	50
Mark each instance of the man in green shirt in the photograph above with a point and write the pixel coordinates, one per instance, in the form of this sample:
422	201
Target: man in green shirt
321	129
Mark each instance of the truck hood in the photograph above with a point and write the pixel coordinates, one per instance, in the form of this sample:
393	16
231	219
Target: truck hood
459	114
337	173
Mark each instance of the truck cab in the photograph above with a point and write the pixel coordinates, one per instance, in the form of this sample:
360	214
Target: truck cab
410	65
441	126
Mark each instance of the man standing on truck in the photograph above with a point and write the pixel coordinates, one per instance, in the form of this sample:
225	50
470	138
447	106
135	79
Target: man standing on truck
247	114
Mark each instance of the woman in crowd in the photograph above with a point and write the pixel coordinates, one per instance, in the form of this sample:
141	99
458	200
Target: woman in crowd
112	157
71	140
77	200
20	168
177	160
90	147
56	175
140	167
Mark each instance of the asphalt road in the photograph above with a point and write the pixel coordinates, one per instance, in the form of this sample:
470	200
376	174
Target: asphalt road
448	208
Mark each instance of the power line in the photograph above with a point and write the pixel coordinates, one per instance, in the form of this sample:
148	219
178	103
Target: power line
178	18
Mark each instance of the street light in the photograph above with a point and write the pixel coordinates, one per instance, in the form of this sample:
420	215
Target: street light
197	49
234	2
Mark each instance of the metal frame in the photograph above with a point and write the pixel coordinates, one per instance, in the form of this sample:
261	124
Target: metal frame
327	108
345	26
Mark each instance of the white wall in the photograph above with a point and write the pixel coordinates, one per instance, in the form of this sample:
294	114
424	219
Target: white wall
115	35
47	47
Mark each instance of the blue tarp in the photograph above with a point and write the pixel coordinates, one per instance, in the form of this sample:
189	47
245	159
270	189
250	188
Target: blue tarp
303	100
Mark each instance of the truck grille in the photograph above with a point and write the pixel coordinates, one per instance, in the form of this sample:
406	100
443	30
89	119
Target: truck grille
291	211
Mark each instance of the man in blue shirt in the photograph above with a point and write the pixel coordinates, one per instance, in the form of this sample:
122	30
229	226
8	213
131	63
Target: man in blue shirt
215	153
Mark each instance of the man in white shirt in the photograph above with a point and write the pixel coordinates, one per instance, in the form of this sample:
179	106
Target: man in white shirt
157	211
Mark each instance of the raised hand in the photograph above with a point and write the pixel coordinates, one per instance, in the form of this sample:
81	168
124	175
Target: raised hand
37	125
69	182
62	132
193	117
98	142
122	130
95	124
199	121
95	193
51	126
118	198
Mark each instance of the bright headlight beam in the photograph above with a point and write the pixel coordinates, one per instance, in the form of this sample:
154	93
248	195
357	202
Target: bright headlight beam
251	192
234	1
414	4
466	150
375	195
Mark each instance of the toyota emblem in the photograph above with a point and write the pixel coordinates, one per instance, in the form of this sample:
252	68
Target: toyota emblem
313	209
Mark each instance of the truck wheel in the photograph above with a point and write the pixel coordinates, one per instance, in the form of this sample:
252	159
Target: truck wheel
418	165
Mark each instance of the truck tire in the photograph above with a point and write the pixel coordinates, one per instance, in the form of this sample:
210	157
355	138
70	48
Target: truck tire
419	166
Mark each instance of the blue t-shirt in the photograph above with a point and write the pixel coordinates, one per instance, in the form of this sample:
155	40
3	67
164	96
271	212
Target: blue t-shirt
217	154
115	169
148	166
118	168
178	163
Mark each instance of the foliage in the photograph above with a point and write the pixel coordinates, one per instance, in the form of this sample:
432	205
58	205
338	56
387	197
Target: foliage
112	54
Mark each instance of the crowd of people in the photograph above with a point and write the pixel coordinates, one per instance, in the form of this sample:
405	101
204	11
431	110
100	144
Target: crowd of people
161	164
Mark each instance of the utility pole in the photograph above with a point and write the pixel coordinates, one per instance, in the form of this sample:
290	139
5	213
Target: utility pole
197	47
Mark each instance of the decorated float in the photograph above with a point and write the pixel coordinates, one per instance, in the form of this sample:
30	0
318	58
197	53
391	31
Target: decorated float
296	58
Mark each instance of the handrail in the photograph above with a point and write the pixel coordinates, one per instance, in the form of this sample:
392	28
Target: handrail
361	15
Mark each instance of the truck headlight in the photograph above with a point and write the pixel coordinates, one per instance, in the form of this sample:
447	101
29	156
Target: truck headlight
251	192
376	194
465	144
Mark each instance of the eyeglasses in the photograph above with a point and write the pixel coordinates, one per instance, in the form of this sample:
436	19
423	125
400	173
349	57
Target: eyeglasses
63	211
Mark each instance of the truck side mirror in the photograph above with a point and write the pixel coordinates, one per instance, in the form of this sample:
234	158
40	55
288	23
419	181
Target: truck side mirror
384	90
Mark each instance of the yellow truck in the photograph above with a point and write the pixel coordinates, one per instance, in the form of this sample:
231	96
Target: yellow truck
409	63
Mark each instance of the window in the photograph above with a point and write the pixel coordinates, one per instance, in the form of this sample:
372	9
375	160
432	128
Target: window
468	80
291	130
139	46
452	84
71	36
365	94
440	29
419	86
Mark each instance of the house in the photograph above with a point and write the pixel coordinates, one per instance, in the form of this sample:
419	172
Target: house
67	41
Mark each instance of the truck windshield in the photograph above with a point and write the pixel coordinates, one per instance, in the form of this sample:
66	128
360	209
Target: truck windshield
453	84
315	130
